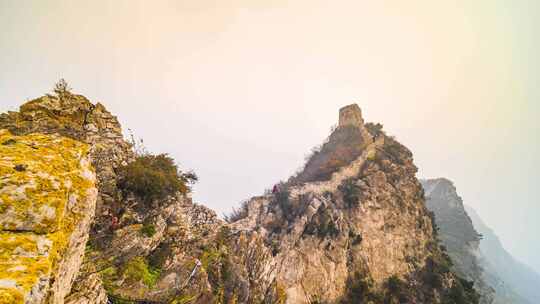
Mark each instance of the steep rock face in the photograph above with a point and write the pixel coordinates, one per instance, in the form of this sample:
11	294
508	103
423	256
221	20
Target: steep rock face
346	237
457	233
181	232
76	117
47	203
87	290
513	281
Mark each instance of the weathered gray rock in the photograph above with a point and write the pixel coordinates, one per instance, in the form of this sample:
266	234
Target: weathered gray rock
76	117
88	289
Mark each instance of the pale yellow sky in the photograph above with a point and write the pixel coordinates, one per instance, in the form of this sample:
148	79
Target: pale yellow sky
241	90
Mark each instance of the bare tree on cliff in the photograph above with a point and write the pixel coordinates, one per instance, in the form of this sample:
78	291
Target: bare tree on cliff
61	88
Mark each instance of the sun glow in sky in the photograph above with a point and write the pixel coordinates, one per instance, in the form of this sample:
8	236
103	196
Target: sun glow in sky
240	90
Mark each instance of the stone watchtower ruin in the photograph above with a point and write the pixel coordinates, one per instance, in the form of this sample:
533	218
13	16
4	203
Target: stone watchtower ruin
350	115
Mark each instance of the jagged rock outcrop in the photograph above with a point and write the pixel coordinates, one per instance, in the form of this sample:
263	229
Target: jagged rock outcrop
47	203
76	117
457	233
87	289
181	231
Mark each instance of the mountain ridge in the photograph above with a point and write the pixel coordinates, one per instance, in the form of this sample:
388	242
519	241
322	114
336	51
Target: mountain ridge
518	279
478	252
457	232
338	233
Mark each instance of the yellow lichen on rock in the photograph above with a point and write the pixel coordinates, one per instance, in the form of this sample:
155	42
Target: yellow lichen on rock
47	201
37	174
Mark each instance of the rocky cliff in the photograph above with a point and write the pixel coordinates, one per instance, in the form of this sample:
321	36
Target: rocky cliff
457	233
47	203
161	251
513	281
352	227
476	252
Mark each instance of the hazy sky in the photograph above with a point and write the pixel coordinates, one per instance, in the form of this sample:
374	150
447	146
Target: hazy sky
240	90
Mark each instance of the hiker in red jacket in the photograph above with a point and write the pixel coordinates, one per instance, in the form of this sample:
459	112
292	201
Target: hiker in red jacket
114	223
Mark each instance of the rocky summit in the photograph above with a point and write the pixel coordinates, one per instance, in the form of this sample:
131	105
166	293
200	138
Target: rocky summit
360	232
351	227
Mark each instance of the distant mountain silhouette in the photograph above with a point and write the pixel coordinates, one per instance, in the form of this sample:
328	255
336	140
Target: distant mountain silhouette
513	281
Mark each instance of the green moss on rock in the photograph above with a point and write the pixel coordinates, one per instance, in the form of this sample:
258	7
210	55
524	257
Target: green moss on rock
138	269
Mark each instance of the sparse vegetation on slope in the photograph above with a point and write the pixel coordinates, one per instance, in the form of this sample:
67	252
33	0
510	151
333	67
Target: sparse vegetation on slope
342	146
154	177
138	269
456	232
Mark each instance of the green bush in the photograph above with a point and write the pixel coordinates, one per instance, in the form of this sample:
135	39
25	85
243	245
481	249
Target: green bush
154	177
322	225
462	292
396	290
109	275
138	269
374	129
148	230
217	263
350	192
282	200
360	290
328	228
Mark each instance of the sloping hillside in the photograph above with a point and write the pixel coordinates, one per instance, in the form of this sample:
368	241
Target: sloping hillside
513	281
457	232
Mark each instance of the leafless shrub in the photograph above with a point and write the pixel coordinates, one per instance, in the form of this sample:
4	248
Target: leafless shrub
238	214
